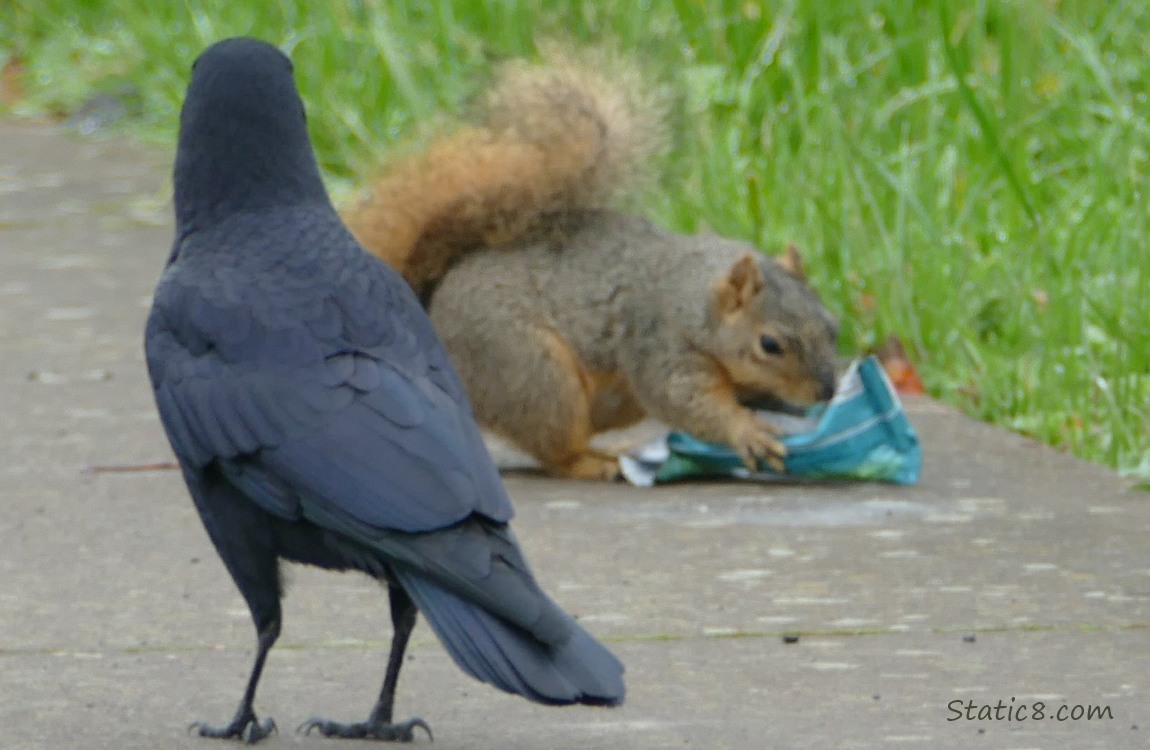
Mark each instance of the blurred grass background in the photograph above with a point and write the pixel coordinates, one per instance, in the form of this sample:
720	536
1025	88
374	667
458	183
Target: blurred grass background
970	176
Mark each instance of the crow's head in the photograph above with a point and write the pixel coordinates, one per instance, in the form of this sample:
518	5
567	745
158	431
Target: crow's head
243	135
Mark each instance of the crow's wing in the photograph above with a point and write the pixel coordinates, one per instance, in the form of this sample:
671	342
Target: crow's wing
343	398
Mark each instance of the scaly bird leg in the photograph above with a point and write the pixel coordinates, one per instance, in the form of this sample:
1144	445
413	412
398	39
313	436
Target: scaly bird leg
379	725
244	724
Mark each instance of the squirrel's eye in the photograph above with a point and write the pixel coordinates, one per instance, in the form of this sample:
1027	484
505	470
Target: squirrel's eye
771	345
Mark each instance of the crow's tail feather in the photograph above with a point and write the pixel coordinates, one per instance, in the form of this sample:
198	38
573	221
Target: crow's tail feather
580	670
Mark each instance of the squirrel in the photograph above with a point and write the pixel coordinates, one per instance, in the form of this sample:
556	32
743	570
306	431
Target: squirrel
566	315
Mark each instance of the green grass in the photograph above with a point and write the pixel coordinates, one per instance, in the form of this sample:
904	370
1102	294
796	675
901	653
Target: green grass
968	175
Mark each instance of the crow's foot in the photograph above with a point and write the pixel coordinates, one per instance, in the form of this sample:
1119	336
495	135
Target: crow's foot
244	727
403	731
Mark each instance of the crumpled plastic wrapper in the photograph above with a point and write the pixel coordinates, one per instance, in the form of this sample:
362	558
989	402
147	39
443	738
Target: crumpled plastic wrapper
862	434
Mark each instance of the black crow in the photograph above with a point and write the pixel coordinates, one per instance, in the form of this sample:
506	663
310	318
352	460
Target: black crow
316	417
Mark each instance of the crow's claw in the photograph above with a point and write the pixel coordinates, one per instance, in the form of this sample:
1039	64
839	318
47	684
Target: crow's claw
247	728
403	731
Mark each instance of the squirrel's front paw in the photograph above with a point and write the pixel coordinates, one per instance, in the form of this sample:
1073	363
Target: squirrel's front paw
754	439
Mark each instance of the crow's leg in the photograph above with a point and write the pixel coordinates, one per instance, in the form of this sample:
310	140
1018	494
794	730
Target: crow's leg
379	725
244	725
244	536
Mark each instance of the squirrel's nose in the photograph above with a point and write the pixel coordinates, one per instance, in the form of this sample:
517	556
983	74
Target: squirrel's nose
827	388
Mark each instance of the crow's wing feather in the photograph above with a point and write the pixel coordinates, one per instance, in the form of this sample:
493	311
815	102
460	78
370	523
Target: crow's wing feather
421	471
296	410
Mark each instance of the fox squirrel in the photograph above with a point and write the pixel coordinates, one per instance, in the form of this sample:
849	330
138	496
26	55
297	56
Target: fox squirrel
566	316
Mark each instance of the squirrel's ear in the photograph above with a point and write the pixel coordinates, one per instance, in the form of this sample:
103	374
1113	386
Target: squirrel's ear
735	289
791	262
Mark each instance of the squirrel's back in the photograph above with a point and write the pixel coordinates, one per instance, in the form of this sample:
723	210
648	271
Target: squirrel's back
549	139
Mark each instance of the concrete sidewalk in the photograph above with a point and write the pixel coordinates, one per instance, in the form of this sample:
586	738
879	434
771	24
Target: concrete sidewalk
1011	573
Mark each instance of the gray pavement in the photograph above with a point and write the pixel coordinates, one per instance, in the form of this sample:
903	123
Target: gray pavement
1011	572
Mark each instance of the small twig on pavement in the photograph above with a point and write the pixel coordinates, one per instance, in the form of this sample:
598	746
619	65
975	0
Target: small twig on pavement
128	468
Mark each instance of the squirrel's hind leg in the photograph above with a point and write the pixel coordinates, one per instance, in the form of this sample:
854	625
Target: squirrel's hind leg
556	416
528	384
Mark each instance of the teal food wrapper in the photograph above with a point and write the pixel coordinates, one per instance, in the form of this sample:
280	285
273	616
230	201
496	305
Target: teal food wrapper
862	434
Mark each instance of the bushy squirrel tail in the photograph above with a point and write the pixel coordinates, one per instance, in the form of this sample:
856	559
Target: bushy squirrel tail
571	133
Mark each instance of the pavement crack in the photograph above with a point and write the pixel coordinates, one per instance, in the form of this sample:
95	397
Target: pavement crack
384	644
